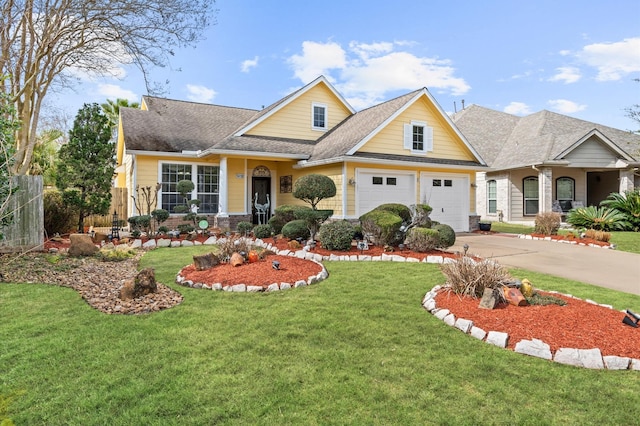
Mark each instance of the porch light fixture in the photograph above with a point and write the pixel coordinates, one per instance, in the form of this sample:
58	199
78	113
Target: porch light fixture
352	181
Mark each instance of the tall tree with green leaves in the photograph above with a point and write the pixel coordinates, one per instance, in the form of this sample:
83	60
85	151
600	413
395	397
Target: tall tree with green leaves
87	163
112	110
48	44
8	126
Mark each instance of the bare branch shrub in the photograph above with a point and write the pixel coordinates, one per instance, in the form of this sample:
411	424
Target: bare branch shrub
547	223
468	277
231	245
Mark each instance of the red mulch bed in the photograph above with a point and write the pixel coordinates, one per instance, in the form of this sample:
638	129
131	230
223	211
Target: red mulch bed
577	324
260	273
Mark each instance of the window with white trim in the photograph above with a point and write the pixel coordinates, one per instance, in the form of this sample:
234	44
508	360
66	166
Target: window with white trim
492	196
418	137
565	192
205	179
318	116
530	195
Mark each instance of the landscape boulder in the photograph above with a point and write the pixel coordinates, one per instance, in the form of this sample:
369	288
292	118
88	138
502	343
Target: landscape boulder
81	245
205	261
143	283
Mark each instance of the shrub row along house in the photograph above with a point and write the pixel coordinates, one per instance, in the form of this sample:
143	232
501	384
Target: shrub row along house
546	162
243	162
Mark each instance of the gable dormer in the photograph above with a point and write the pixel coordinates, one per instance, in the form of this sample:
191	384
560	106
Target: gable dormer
306	114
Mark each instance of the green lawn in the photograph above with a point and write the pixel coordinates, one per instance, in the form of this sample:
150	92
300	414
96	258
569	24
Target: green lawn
356	349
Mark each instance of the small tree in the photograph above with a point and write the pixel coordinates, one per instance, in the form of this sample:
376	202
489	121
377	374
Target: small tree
87	163
312	189
8	126
190	207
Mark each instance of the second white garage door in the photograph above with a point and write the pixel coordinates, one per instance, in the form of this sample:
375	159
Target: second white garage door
448	194
376	187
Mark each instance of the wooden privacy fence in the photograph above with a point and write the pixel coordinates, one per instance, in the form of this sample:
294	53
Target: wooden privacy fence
26	230
119	200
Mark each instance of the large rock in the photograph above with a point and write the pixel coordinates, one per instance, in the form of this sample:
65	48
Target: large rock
143	283
81	245
489	298
205	261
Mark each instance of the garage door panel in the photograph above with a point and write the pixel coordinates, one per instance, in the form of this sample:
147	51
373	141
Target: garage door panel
376	188
448	195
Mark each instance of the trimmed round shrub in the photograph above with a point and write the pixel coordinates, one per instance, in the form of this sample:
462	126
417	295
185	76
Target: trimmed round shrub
446	235
262	231
337	235
295	229
422	239
382	225
244	228
421	217
314	188
396	208
284	214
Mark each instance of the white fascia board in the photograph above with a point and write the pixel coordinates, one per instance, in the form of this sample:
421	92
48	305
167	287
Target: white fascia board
191	154
251	154
307	164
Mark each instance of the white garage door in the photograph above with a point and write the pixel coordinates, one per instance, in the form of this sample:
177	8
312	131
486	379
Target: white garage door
448	194
376	188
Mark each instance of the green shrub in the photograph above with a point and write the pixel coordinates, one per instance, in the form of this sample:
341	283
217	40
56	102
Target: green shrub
314	188
399	209
244	227
295	229
185	228
599	218
382	225
284	214
446	235
313	219
262	231
422	239
140	223
337	235
420	216
544	300
58	217
547	223
111	255
628	204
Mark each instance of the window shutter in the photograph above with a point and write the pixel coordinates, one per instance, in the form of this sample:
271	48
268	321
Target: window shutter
428	138
408	136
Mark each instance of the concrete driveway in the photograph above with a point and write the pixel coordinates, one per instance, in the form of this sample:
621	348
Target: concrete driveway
602	267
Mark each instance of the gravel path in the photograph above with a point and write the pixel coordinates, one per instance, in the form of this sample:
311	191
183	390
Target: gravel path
98	282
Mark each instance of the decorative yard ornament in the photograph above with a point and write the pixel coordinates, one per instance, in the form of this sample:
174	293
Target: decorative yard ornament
629	321
275	265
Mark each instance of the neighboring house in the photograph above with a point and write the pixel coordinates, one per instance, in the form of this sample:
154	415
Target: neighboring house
546	162
405	150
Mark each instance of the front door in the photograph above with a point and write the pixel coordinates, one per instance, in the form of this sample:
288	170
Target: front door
261	199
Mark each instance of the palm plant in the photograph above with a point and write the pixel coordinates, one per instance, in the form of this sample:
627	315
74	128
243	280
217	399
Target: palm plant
599	218
627	203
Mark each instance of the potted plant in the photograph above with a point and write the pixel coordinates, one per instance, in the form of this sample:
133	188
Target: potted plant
484	226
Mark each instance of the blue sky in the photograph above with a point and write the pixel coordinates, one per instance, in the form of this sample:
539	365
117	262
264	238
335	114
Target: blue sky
577	58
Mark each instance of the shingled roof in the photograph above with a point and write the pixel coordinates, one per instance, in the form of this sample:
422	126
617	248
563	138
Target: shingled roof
507	141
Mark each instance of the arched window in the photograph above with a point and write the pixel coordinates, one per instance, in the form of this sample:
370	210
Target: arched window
565	192
530	195
492	196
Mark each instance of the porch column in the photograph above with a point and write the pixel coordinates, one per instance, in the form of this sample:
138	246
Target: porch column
223	189
626	180
545	191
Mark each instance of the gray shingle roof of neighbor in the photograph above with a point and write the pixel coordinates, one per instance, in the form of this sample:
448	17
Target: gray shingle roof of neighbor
506	141
175	126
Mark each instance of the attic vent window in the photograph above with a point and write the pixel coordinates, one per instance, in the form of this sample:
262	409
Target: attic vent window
319	116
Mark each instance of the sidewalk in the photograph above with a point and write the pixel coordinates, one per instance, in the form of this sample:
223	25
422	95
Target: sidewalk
602	267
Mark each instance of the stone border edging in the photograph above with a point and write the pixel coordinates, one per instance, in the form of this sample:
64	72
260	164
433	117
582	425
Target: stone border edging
573	242
586	358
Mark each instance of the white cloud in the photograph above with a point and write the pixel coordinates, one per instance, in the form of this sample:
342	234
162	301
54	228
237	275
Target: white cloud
200	93
317	59
517	108
248	64
113	91
565	107
567	75
366	73
613	60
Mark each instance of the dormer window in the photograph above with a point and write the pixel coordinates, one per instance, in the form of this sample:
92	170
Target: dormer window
318	116
418	137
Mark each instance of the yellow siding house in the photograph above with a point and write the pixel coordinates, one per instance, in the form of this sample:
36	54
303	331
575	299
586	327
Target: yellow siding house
406	150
